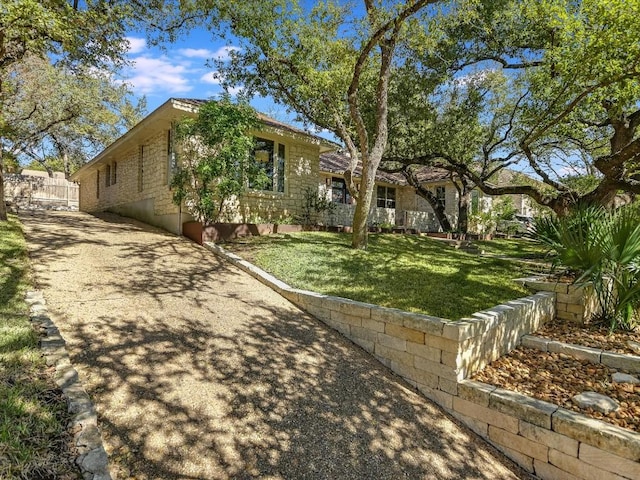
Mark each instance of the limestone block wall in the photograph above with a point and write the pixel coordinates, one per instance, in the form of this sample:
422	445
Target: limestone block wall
301	173
149	198
549	441
436	355
573	303
126	189
618	361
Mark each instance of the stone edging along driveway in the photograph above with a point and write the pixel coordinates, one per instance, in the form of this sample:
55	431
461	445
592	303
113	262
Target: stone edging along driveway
436	355
92	457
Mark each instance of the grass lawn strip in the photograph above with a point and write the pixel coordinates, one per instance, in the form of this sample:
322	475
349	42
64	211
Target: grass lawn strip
409	272
514	248
34	441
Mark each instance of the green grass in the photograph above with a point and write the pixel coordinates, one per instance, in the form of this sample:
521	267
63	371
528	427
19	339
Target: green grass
515	248
412	273
33	415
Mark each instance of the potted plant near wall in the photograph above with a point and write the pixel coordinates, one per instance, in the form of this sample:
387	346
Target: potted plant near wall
386	227
215	164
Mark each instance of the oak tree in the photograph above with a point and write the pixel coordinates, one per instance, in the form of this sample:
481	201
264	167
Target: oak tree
567	101
331	63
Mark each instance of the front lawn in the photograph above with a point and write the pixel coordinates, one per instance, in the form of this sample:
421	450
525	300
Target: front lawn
514	248
409	272
33	414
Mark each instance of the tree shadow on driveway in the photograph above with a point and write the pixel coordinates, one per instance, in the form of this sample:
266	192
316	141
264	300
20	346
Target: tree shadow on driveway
199	371
284	399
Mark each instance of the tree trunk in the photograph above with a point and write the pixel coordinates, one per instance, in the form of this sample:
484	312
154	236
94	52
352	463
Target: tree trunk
441	215
360	235
463	212
437	207
67	167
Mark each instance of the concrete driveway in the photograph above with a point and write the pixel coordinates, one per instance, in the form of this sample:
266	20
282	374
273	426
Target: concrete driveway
200	372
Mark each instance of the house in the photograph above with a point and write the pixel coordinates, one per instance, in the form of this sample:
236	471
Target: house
132	176
396	202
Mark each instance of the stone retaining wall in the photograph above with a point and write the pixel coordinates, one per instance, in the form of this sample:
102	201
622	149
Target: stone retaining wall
435	355
574	303
550	441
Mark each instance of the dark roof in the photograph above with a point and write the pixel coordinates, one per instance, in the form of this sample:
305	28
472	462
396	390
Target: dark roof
271	122
335	162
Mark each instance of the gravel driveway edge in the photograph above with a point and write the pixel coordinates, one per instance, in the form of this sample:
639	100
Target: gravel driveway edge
92	457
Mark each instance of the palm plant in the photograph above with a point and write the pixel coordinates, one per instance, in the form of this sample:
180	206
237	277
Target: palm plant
600	248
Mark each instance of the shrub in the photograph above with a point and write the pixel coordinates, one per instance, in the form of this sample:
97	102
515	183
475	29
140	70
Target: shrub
216	161
602	248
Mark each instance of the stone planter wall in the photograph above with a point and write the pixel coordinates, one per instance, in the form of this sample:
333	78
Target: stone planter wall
547	440
577	304
435	355
629	363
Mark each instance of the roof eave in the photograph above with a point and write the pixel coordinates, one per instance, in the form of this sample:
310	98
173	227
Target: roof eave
127	136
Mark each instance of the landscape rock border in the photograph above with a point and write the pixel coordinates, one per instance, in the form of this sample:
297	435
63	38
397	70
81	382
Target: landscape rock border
92	457
619	361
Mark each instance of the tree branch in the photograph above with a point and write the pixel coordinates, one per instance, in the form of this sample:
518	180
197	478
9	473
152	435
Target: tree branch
352	92
532	137
505	64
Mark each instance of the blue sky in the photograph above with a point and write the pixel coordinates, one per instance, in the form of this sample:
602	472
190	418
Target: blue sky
179	70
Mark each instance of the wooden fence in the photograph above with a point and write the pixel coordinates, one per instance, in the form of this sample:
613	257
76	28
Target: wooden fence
40	191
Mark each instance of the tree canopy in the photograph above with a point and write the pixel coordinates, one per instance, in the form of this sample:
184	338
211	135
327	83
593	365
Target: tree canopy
52	112
550	88
331	63
80	40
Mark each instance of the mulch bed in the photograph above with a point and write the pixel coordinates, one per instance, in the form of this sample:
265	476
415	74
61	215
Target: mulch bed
557	377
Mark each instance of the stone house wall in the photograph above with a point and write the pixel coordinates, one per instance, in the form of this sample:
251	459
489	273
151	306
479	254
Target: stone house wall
141	187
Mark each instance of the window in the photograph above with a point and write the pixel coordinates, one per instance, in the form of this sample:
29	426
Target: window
386	197
97	183
339	192
172	158
140	167
441	196
269	156
107	176
114	173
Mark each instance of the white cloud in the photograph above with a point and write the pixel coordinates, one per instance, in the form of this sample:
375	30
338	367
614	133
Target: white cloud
158	75
224	53
136	45
233	91
196	52
211	78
